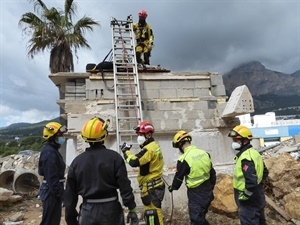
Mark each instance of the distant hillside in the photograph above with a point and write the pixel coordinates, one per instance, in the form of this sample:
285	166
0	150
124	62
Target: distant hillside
22	130
271	90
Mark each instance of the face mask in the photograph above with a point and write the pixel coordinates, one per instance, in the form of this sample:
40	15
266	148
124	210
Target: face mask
61	140
235	145
142	21
141	140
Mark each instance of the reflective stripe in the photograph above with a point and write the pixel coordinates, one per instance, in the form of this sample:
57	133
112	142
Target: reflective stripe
151	183
61	180
101	200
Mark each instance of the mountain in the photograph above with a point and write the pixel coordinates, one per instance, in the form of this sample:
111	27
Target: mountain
23	130
271	90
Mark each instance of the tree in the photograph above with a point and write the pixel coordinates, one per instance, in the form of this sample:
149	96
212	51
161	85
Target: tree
54	30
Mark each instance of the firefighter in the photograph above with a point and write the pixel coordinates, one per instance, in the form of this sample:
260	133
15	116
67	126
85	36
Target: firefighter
96	175
249	175
200	177
144	38
150	162
52	168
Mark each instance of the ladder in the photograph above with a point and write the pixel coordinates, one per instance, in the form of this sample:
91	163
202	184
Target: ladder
128	106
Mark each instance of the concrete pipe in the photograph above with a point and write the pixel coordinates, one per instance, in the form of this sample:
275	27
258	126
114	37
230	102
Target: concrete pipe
7	179
26	182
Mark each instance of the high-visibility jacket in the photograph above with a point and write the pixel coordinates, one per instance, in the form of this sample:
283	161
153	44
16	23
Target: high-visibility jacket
251	155
199	163
143	34
149	159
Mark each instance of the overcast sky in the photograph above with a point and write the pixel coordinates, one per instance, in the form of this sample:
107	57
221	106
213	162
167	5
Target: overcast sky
190	35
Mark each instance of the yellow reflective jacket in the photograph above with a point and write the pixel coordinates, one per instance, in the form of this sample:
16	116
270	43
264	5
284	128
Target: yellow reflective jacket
143	34
199	163
150	160
238	177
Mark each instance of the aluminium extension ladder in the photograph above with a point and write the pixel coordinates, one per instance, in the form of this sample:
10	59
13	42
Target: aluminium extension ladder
128	106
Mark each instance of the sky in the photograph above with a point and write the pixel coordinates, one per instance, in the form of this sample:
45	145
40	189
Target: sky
189	35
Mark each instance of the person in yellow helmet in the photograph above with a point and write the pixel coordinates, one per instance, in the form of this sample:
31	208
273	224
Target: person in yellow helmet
195	166
150	162
96	175
144	38
52	168
249	175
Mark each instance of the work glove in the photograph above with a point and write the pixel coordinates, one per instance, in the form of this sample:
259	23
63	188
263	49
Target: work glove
132	217
170	188
125	147
243	196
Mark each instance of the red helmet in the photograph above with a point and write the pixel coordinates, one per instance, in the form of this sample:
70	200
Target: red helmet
144	128
143	14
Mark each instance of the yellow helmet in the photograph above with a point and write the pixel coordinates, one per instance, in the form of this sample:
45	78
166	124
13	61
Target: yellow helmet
240	132
52	128
179	137
95	130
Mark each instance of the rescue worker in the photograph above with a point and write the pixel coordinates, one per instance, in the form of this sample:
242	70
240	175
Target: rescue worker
144	38
96	175
150	162
200	177
248	178
52	168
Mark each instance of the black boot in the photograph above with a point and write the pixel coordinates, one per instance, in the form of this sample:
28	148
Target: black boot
147	58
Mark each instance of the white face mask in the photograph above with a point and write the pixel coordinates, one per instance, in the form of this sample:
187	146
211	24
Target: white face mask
235	145
141	139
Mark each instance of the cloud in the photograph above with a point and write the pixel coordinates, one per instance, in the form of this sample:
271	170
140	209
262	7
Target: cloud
190	35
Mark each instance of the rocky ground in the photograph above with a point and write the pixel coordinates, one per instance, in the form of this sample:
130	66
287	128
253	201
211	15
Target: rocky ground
30	210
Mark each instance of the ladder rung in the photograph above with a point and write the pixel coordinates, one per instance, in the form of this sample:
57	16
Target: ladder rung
127	106
127	118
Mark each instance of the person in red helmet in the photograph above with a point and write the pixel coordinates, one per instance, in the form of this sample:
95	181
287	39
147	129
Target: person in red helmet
144	38
150	162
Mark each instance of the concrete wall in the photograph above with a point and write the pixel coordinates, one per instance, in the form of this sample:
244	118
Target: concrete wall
171	101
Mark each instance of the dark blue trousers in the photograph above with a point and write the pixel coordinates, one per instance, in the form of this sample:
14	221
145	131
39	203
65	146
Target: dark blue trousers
199	200
51	209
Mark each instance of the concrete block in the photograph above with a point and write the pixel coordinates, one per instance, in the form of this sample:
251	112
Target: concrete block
150	84
185	93
201	105
216	80
218	90
164	105
202	83
90	94
198	92
149	93
167	93
178	84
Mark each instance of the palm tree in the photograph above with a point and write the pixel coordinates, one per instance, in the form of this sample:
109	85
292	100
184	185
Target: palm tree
54	30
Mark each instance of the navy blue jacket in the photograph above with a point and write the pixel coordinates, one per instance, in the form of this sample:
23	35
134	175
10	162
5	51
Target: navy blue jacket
52	167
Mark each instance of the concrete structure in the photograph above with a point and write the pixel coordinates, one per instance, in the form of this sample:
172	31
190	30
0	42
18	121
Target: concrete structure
195	102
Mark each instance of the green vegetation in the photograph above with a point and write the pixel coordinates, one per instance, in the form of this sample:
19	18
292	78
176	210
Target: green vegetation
13	147
54	30
22	136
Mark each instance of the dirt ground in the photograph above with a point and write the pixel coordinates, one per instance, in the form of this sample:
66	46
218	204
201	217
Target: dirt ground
31	208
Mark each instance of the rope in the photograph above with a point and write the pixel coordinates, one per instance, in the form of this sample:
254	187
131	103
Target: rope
172	204
127	71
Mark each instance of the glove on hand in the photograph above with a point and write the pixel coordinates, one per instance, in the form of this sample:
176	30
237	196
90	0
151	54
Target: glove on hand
170	188
125	147
243	196
132	217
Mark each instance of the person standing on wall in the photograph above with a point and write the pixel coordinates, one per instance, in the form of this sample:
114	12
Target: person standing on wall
200	177
144	38
150	162
52	168
96	175
249	175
